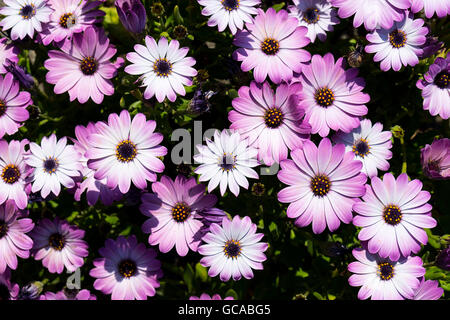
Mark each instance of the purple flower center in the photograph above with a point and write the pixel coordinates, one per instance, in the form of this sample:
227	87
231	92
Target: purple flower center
320	185
50	165
126	151
3	229
10	174
270	46
2	108
273	117
311	15
27	12
127	268
392	214
57	241
162	67
441	80
67	20
434	165
232	249
4	292
385	270
180	212
227	162
230	5
361	148
88	66
324	97
397	38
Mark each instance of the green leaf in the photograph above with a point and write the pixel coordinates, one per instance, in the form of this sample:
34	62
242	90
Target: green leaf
126	231
177	15
318	296
231	293
112	220
188	277
200	272
301	273
278	6
434	273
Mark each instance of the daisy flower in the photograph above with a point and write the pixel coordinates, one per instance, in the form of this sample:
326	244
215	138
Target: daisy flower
272	122
82	67
233	249
317	15
324	183
164	67
428	290
231	13
13	240
402	44
54	163
332	96
8	290
127	270
227	161
272	45
393	215
24	17
205	296
441	8
435	159
13	105
370	145
383	279
67	295
435	88
59	244
173	210
8	54
125	151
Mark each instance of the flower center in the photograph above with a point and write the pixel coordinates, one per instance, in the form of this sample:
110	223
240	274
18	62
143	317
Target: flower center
126	151
27	12
50	165
127	268
441	80
230	5
320	185
67	20
324	97
162	67
2	108
311	15
4	292
3	228
385	270
361	148
397	38
392	214
232	249
270	46
10	174
227	162
434	165
89	66
180	212
273	117
56	241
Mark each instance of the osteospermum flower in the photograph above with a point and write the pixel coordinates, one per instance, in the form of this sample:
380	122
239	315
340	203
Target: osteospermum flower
13	105
435	88
82	67
272	45
332	96
231	13
383	279
399	45
428	290
24	17
441	8
7	52
67	295
59	244
125	151
164	67
173	210
393	215
8	290
435	159
205	296
317	15
127	270
13	239
227	161
324	183
54	163
233	249
370	145
272	122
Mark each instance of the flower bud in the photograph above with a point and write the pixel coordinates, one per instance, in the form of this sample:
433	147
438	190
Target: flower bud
132	15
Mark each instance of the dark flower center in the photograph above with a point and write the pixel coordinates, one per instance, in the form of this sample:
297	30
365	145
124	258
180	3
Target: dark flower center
230	5
270	46
162	67
10	174
441	80
126	151
127	268
273	117
324	97
232	249
27	12
397	38
385	270
361	148
2	108
88	66
4	293
67	20
227	162
434	165
180	212
180	31
392	214
311	15
57	241
50	165
320	185
3	229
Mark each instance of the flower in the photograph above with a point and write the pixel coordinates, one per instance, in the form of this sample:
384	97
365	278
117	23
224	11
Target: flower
68	18
370	145
30	291
8	290
132	15
164	67
233	249
24	17
82	67
373	13
205	296
441	8
383	279
400	44
443	259
272	45
392	215
324	182
272	122
59	244
7	52
125	151
54	163
228	160
67	295
127	270
231	13
173	210
431	46
13	240
435	88
26	80
332	97
435	159
13	105
428	290
317	15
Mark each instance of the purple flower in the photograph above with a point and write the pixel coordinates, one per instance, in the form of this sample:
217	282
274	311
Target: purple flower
272	122
383	279
127	270
132	15
443	259
8	290
431	46
441	8
233	249
59	244
393	215
435	88
125	151
324	183
428	290
205	296
435	159
272	45
63	295
7	52
19	73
